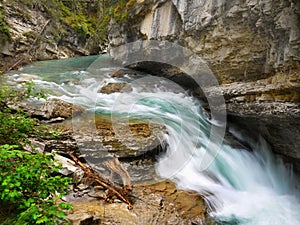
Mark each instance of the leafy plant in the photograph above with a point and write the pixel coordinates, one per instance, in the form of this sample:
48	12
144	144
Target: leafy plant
15	128
29	186
15	125
31	90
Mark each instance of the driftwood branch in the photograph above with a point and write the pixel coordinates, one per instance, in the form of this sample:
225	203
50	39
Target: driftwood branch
37	37
116	167
30	48
103	182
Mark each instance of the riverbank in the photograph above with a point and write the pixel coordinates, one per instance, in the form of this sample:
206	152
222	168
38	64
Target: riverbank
113	118
155	200
252	51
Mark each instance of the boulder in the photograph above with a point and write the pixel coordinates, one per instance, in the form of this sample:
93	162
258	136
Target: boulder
35	146
68	166
54	108
121	72
103	138
82	219
115	87
118	73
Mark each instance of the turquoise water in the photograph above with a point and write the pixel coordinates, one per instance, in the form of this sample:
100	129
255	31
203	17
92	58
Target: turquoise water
240	186
55	70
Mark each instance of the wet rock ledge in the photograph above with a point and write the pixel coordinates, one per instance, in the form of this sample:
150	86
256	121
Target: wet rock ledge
155	201
158	203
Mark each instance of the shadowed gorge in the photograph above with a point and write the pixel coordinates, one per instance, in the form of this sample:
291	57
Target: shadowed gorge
149	112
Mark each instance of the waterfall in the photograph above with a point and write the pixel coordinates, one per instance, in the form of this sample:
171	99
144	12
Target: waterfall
240	186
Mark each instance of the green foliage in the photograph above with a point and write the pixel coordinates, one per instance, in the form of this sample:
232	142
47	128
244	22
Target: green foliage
15	125
15	128
30	90
72	13
121	10
27	183
118	10
88	19
29	35
4	29
81	24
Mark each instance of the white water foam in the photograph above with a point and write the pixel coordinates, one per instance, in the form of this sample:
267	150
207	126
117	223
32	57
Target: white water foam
241	187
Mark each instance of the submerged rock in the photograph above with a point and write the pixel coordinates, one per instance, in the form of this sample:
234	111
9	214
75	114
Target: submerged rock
118	73
121	72
115	87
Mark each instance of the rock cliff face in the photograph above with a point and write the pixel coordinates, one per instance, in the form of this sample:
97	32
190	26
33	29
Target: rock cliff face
36	35
253	48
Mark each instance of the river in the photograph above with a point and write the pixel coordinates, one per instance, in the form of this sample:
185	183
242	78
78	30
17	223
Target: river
241	186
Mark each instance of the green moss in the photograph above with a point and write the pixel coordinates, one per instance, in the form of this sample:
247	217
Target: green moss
81	24
121	10
29	35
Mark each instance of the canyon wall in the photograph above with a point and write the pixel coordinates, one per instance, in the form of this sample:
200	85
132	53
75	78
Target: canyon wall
35	34
252	47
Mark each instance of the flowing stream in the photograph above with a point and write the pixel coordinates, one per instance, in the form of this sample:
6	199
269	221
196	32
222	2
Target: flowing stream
240	186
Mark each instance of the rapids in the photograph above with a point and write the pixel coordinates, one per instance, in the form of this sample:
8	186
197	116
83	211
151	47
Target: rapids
240	186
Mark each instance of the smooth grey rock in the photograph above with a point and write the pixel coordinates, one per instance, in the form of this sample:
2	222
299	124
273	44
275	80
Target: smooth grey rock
68	166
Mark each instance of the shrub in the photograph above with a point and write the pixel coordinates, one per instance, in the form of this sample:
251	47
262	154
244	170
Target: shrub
28	185
15	128
15	125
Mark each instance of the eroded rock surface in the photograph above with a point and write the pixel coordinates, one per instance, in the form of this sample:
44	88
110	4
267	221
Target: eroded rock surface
158	203
54	108
99	137
37	36
251	46
240	39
